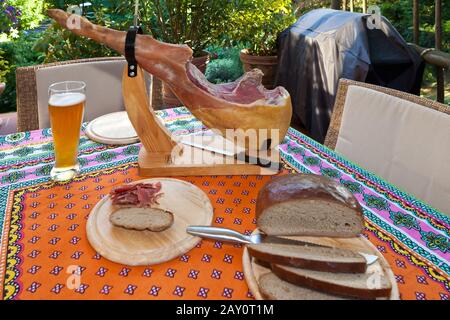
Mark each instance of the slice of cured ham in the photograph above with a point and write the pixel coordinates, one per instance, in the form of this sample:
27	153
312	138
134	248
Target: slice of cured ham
136	195
244	104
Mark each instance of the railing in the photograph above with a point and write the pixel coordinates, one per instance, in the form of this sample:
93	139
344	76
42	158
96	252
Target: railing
433	56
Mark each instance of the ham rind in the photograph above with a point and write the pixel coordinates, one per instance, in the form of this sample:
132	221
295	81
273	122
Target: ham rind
243	105
139	195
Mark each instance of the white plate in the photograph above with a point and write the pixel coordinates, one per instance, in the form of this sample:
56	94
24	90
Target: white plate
114	128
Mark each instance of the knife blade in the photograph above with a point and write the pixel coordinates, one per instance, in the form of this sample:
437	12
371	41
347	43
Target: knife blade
206	147
217	144
228	235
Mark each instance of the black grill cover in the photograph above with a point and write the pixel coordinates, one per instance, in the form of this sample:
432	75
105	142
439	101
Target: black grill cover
325	45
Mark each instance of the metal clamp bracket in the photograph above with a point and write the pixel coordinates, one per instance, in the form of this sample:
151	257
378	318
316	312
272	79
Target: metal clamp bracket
130	50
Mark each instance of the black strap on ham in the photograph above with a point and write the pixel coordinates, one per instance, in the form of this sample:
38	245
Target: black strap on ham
130	50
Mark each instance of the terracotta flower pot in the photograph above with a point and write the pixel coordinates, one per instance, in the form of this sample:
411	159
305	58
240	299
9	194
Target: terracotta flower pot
169	98
267	64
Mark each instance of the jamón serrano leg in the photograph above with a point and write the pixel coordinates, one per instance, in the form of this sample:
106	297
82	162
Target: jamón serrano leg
244	104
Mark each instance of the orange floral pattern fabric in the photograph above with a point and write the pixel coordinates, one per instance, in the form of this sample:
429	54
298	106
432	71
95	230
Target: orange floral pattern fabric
53	244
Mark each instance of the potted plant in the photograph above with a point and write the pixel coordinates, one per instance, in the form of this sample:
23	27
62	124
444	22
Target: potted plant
197	23
258	24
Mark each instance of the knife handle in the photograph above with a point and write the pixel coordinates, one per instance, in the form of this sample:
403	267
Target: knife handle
220	234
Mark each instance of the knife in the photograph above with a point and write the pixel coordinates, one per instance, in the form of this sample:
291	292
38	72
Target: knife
228	235
219	146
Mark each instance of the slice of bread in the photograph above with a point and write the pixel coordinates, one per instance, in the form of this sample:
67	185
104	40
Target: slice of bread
308	205
358	285
140	219
273	288
310	257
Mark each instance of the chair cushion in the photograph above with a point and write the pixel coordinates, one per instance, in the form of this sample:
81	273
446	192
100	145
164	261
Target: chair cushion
403	142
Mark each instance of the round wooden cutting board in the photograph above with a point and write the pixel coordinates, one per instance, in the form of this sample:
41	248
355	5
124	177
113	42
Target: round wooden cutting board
254	271
190	206
114	128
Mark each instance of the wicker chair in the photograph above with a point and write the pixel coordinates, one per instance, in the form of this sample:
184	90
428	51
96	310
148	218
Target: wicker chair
400	137
103	77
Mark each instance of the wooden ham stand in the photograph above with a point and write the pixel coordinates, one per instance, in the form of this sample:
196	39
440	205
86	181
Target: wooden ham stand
161	155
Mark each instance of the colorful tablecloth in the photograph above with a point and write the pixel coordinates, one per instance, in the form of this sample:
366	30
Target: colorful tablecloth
43	238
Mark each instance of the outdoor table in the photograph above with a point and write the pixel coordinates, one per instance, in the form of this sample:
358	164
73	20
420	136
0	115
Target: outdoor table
43	237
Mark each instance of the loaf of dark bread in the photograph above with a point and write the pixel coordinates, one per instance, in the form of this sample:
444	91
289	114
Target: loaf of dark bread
308	205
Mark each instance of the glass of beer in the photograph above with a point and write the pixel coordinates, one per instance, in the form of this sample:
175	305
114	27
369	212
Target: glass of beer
66	108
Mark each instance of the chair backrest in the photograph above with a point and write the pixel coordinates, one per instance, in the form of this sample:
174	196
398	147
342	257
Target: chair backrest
103	77
400	137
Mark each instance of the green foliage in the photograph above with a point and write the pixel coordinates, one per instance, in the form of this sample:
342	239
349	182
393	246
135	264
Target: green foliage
259	22
116	14
18	53
57	44
32	12
4	66
9	17
197	23
19	15
58	4
225	65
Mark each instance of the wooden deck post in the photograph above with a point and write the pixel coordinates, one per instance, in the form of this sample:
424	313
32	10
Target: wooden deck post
335	4
438	46
416	21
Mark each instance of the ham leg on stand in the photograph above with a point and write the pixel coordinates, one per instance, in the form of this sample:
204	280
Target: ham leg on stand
244	104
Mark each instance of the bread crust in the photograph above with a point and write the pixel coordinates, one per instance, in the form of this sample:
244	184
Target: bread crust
304	186
327	287
265	292
317	265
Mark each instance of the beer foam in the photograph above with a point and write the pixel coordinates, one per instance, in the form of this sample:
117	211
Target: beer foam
66	99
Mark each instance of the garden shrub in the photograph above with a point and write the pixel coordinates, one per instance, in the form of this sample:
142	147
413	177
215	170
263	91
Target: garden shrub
18	53
225	65
4	66
259	22
197	23
58	44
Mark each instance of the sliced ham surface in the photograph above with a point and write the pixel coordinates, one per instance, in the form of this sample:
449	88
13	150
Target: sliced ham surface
245	90
139	195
